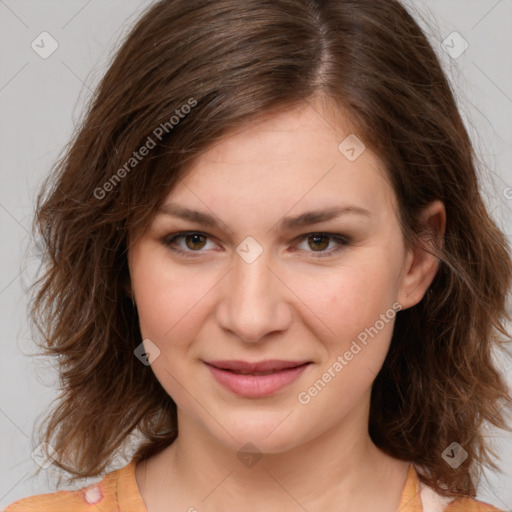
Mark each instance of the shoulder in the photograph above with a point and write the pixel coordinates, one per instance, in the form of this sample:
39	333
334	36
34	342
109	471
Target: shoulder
434	502
470	505
100	494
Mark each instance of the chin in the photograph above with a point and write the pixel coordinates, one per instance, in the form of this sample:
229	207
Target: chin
270	435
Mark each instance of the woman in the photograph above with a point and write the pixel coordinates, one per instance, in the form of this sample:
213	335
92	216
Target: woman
270	262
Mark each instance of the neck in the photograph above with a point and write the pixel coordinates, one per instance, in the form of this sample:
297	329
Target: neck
340	470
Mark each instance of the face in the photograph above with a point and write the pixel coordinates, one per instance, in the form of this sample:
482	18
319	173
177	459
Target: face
314	301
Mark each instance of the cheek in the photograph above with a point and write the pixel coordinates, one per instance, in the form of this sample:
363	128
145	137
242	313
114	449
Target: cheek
168	309
168	299
349	300
357	306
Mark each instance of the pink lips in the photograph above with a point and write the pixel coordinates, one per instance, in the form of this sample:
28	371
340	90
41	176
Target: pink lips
256	380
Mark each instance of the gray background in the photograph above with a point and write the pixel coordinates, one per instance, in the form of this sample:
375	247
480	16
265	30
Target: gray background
41	100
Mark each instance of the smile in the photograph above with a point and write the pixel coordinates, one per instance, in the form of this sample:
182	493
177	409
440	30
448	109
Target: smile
256	380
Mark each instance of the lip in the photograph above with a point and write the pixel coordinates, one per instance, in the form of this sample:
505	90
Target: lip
257	366
278	374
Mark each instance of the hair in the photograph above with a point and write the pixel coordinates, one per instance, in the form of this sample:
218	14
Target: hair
186	76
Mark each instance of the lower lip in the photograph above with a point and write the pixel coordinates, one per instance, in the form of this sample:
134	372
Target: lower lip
256	386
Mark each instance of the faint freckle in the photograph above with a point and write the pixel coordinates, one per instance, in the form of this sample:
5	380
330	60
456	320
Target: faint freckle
93	495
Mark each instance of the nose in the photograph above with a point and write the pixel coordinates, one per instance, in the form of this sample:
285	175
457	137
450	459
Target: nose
255	300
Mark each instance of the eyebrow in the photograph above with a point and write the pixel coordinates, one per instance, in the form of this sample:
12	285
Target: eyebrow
301	220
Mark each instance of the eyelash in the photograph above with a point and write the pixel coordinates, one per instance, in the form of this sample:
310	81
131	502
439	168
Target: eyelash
169	241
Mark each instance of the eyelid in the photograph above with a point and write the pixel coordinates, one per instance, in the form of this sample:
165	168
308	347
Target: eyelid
342	240
169	240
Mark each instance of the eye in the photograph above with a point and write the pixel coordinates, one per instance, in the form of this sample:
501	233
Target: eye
320	241
195	241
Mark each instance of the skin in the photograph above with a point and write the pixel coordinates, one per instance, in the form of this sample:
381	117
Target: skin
288	304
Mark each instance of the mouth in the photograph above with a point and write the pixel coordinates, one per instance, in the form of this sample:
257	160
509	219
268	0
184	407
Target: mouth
240	372
256	379
256	368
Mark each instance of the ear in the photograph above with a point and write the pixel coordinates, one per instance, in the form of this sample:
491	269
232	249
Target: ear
420	266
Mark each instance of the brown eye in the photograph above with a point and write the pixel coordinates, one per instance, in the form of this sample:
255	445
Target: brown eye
317	244
193	241
320	242
188	243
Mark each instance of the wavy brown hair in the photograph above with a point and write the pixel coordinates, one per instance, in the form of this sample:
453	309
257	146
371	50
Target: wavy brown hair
231	61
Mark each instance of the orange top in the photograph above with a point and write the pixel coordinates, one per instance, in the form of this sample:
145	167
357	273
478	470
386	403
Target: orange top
118	492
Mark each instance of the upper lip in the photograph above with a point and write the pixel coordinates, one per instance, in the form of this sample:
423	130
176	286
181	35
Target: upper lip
258	366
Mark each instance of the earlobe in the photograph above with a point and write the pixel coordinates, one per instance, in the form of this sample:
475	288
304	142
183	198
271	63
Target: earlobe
421	265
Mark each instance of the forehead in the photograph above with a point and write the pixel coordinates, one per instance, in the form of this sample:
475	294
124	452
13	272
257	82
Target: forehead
290	160
306	130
